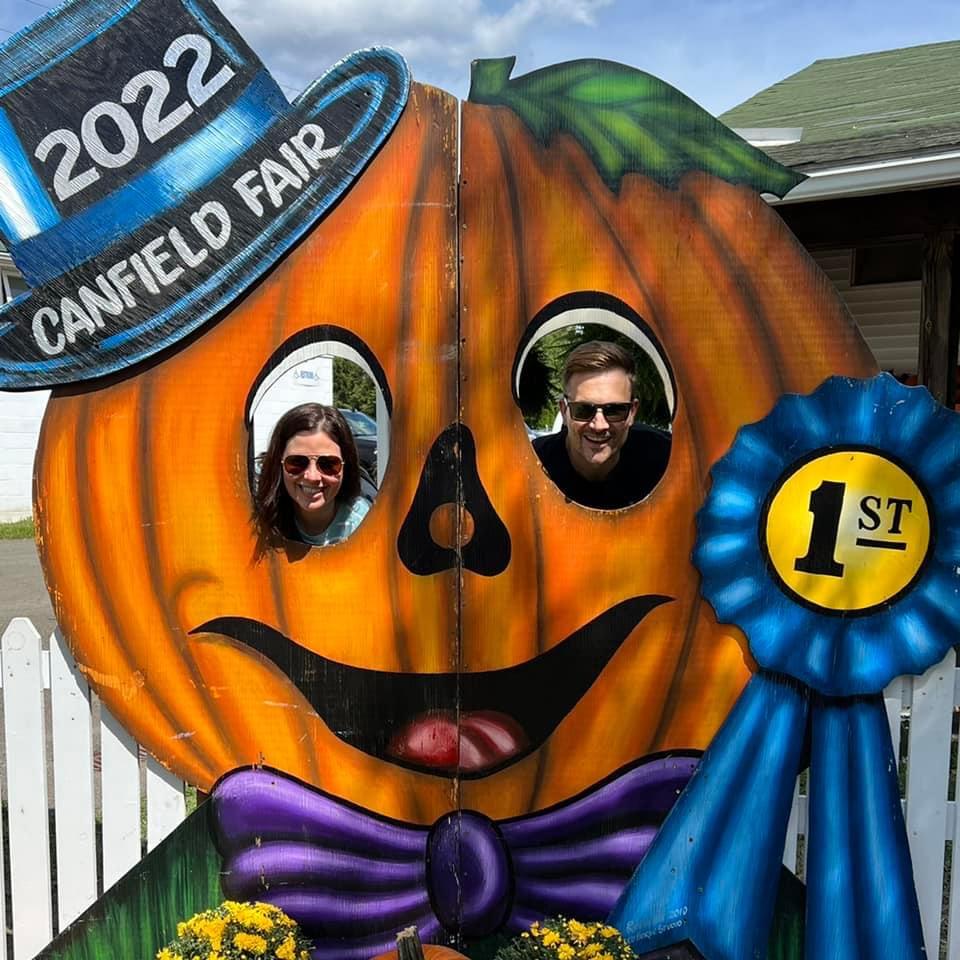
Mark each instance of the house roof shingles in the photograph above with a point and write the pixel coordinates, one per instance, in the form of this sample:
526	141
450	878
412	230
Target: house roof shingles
896	103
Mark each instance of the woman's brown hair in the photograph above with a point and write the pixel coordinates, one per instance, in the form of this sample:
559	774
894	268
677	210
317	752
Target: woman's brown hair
272	506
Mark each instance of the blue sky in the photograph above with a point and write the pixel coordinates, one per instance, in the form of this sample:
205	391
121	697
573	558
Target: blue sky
719	52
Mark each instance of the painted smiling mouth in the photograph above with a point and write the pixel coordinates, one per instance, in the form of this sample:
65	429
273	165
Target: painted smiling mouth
466	724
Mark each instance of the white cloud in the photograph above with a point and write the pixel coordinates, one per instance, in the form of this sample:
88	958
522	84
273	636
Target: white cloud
299	39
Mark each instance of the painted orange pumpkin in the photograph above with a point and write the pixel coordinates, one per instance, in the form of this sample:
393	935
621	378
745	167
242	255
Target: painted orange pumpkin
430	952
156	554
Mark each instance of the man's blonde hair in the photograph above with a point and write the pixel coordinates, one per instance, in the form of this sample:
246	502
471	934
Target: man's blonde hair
596	356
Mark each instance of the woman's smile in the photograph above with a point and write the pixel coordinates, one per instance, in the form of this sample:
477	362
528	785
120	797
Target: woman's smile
313	492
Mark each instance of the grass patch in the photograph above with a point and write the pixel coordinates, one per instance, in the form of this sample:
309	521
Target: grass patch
17	530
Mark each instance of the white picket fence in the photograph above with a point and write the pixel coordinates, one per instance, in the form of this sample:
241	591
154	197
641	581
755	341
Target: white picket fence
51	739
47	702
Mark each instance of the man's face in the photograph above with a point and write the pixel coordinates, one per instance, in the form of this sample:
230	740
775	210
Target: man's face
594	446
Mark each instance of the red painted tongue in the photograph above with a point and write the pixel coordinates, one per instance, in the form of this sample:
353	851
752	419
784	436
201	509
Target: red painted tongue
486	739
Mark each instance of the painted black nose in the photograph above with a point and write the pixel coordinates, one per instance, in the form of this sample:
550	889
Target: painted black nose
474	531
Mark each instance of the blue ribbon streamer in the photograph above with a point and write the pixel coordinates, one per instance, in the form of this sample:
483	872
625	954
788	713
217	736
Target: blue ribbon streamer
716	861
711	875
861	901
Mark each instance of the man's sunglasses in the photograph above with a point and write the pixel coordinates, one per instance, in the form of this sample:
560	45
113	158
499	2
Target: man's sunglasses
584	412
329	465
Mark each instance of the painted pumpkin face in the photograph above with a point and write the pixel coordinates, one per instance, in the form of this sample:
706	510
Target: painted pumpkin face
576	633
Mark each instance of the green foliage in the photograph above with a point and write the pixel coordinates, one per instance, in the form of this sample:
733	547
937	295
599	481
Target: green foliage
541	379
17	530
539	386
628	122
352	388
787	933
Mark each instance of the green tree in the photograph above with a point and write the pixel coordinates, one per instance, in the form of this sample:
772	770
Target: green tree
539	387
352	388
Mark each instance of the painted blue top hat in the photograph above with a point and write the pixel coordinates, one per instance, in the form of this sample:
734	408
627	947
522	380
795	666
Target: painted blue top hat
151	170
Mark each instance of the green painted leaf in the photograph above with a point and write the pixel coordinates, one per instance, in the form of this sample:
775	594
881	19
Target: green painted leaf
628	122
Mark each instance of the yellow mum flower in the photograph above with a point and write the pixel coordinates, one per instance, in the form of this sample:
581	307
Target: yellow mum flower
247	915
550	938
578	931
235	930
250	941
591	950
287	950
214	932
609	932
566	952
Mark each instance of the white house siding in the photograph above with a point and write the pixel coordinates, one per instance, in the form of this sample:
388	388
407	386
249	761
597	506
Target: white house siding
20	416
888	314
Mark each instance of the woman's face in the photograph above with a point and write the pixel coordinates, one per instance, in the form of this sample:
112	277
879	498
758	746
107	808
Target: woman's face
312	490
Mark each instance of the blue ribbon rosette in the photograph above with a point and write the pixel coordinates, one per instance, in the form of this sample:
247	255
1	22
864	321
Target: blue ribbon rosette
831	538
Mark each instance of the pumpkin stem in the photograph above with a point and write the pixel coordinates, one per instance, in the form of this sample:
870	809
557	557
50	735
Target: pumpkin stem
488	78
408	945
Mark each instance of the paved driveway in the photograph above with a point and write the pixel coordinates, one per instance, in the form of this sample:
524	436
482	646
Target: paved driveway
22	591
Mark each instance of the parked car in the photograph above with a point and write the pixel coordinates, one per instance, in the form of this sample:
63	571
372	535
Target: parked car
364	430
534	432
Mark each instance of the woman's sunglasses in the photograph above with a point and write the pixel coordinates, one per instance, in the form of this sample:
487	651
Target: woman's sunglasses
328	464
584	412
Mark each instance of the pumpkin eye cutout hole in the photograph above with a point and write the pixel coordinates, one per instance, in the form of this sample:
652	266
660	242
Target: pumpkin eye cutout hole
597	399
309	406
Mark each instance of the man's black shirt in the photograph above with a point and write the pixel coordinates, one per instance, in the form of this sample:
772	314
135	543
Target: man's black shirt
643	460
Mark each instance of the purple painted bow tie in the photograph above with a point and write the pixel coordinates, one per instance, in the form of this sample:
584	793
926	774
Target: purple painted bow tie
352	879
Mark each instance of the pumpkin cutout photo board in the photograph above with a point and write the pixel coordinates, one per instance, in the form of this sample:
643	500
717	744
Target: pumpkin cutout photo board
477	707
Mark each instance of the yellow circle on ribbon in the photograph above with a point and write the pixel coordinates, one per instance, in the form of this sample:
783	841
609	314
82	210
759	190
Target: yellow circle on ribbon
847	531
